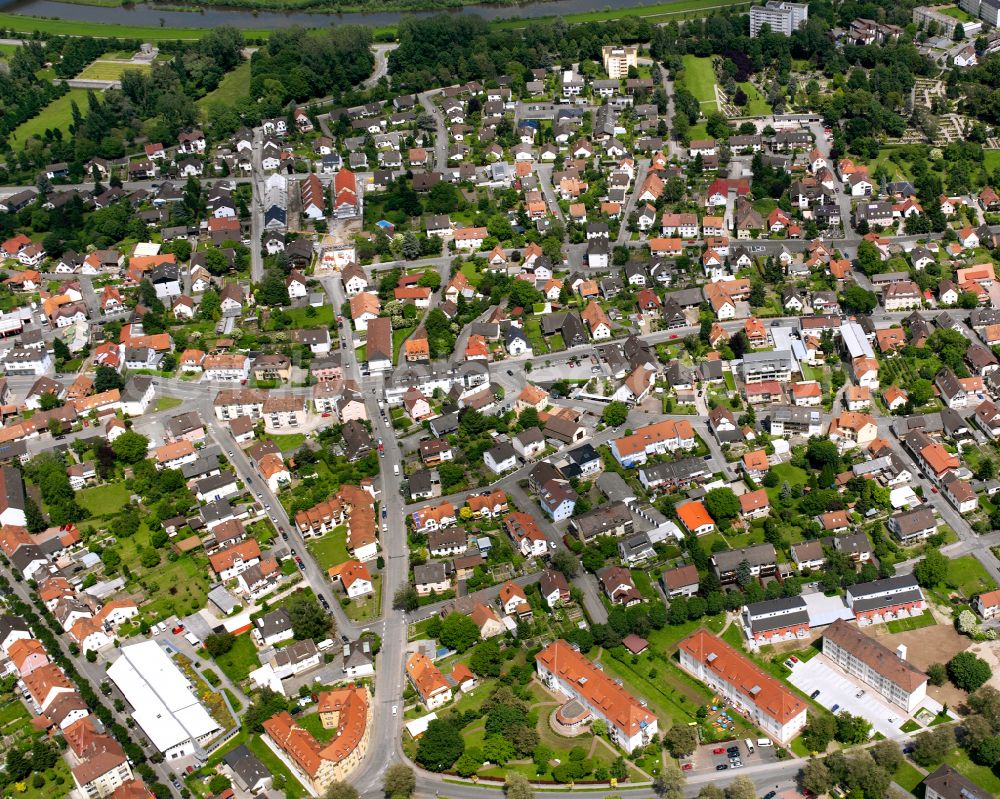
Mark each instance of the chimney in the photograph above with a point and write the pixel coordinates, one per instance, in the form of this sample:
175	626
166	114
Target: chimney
901	651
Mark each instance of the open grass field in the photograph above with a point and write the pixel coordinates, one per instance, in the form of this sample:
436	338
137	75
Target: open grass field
239	661
57	114
659	12
233	86
104	500
991	159
699	77
69	27
7	50
288	442
906	776
308	316
916	623
967	575
110	70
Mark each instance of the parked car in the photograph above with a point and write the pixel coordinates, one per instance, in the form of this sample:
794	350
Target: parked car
814	694
718	750
722	767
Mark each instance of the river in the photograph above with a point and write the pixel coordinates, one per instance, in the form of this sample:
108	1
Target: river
150	15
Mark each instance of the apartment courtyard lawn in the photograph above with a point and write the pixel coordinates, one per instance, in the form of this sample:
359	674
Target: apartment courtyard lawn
330	549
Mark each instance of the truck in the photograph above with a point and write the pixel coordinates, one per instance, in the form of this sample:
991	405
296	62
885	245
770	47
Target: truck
192	639
749	745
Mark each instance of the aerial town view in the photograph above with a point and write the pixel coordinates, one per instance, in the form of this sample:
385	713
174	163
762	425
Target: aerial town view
448	399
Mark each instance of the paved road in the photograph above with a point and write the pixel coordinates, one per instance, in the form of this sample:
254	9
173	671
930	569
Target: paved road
440	129
381	63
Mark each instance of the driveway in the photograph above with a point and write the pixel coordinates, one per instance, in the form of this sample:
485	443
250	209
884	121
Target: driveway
836	688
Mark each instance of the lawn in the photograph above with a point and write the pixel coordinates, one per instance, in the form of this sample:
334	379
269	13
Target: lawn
58	783
330	549
966	574
288	441
991	159
7	50
469	270
239	661
109	70
309	316
957	13
167	403
312	723
234	85
104	500
399	335
56	115
905	625
983	776
756	105
699	77
366	609
662	12
906	776
293	788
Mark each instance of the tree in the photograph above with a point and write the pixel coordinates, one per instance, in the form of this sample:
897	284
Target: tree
868	261
341	790
411	246
406	598
859	300
986	700
959	33
815	777
564	561
680	740
487	659
722	504
106	379
818	732
741	788
459	632
888	755
273	291
615	414
932	746
921	390
987	751
669	783
219	644
307	617
498	749
517	786
440	746
931	569
852	729
711	791
968	672
130	447
937	674
60	350
268	703
35	518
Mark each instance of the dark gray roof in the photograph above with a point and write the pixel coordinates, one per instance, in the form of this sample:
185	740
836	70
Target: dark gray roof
246	766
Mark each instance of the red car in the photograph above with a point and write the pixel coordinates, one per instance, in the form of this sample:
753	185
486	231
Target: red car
687	767
178	629
719	751
794	659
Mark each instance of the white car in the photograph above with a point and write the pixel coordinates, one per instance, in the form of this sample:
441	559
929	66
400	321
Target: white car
394	708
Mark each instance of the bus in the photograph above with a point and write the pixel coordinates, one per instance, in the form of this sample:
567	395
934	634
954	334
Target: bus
749	745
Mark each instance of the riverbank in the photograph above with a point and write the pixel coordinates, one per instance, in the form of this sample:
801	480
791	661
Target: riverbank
157	24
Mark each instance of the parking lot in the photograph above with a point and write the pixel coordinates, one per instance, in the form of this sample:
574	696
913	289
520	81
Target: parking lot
838	690
705	759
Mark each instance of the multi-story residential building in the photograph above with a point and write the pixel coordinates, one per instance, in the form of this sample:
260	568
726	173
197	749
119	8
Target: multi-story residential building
775	365
614	519
285	411
230	367
232	403
867	660
750	690
761	558
884	600
911	526
98	763
592	694
654	439
780	16
618	58
987	604
317	765
775	620
428	681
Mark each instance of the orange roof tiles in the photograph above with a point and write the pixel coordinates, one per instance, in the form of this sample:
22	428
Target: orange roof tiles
599	690
694	515
425	676
768	694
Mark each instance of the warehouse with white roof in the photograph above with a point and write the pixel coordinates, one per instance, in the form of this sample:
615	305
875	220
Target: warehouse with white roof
164	705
